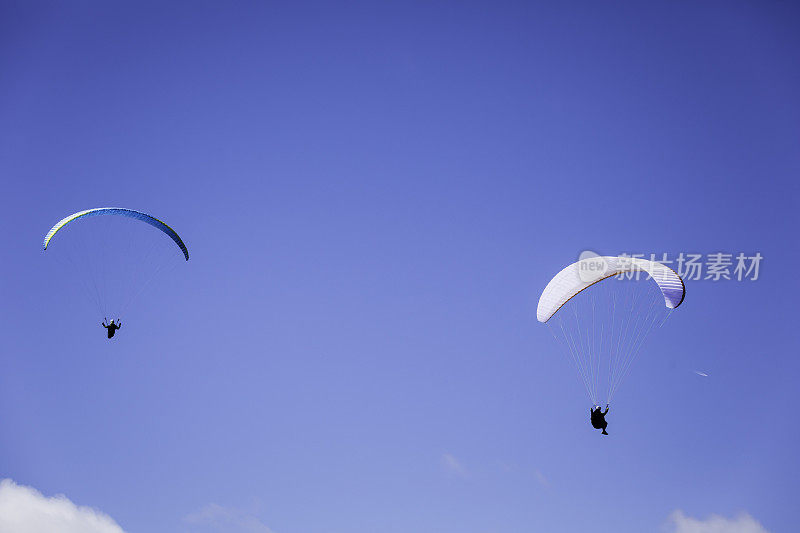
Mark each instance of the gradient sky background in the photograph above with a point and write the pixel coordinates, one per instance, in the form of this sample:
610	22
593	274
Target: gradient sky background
374	194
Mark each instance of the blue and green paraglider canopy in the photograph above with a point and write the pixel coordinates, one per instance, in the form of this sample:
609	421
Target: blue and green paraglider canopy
119	211
112	259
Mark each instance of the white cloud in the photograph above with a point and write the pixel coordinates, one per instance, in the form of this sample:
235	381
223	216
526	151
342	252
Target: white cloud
742	523
26	510
452	465
213	517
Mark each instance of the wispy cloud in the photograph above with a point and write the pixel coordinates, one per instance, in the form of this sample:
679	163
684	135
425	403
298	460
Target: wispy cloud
453	466
742	523
25	510
701	373
216	518
541	479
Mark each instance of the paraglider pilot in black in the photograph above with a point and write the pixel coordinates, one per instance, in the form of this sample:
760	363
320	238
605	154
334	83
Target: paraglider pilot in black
112	327
599	419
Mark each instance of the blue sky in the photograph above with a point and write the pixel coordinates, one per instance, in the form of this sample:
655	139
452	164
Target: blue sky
373	196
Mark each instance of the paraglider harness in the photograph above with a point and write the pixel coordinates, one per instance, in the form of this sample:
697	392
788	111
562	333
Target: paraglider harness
599	418
112	327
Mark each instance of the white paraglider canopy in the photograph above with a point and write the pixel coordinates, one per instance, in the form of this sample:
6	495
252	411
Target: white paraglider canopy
601	309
